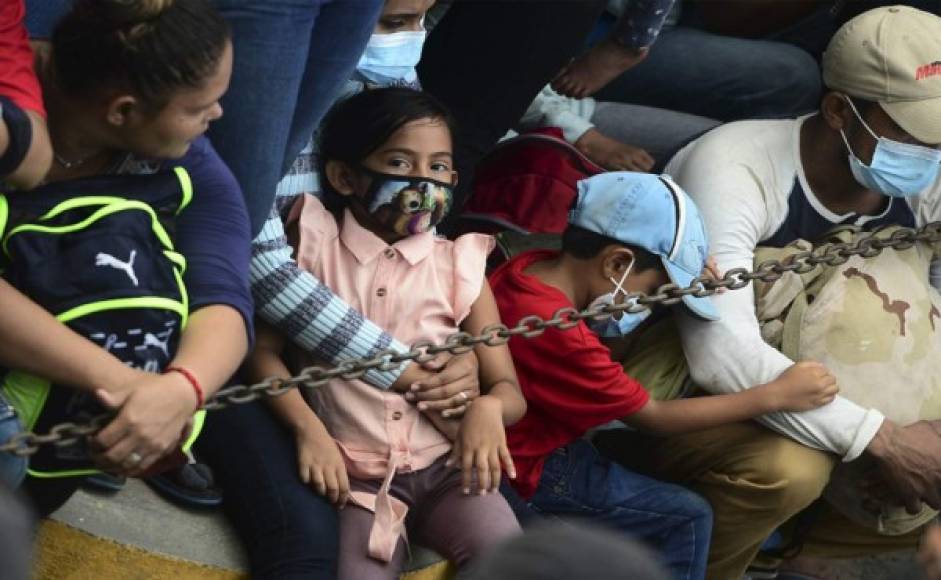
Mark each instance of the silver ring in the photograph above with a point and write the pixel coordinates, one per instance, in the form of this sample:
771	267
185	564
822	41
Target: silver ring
134	458
463	396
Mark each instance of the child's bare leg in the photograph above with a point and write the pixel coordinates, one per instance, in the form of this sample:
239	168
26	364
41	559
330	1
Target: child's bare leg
597	67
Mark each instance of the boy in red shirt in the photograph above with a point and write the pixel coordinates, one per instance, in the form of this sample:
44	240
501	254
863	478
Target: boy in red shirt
628	232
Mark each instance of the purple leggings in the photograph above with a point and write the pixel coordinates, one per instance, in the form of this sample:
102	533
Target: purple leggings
440	517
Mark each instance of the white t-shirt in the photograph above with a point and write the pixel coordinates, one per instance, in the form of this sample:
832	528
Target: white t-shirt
741	175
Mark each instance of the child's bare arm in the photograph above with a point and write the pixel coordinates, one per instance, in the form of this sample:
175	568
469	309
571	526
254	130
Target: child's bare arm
480	449
804	386
265	361
320	464
497	373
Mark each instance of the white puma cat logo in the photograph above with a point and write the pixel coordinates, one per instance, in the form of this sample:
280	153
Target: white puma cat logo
152	340
103	259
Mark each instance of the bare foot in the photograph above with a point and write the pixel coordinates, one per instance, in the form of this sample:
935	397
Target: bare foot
613	155
591	71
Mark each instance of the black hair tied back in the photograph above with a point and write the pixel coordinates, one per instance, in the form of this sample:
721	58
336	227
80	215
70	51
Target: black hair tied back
151	47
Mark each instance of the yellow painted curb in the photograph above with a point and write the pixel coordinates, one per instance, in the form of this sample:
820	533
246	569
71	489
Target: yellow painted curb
67	553
439	571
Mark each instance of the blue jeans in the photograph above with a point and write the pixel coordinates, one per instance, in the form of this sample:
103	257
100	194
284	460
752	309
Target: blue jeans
12	467
288	531
579	483
720	77
291	60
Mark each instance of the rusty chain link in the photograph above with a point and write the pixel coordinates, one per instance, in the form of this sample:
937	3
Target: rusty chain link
828	254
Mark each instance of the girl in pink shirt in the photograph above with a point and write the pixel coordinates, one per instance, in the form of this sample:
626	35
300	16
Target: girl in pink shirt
386	165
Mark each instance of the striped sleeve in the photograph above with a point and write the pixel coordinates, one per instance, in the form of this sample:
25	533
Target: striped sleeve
306	310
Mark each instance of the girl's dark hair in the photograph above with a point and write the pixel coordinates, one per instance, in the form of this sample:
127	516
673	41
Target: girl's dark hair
150	47
359	125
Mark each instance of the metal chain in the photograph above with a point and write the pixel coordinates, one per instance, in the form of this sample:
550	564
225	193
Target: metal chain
827	254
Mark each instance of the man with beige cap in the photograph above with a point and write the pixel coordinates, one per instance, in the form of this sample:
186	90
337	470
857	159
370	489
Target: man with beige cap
868	157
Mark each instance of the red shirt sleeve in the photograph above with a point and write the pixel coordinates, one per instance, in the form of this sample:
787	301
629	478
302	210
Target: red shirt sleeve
571	379
18	80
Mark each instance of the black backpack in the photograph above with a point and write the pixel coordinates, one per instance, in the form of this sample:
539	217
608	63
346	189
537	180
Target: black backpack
98	254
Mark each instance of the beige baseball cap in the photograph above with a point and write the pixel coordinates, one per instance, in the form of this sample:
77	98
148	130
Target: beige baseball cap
891	55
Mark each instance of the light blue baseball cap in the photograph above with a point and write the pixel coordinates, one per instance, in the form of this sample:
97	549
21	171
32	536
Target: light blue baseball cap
653	213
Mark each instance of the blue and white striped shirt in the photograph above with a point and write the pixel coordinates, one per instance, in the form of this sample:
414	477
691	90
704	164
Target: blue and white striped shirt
296	302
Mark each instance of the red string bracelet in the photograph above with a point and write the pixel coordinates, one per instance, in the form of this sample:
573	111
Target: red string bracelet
191	378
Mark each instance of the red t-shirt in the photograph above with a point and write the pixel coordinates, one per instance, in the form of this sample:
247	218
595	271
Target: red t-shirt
17	78
567	376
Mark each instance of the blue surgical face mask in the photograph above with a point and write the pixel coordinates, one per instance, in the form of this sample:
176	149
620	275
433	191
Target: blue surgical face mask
390	59
897	169
611	327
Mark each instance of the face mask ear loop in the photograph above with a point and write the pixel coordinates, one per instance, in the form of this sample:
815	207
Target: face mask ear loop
847	143
619	286
860	119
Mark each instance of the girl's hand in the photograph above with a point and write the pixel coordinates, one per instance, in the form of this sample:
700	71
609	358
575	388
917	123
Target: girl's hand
481	448
321	464
802	387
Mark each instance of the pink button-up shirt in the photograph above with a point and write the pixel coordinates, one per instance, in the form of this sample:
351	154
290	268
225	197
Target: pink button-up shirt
419	288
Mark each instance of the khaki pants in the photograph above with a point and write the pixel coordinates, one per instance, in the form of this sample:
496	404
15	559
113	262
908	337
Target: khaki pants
756	481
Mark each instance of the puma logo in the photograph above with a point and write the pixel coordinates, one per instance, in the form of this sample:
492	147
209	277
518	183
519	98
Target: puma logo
152	341
110	261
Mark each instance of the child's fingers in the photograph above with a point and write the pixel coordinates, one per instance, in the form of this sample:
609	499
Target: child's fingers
507	460
467	470
454	458
343	482
333	487
319	485
483	472
825	401
495	471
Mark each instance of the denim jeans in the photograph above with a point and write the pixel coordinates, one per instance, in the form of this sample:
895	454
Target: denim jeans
288	531
12	467
579	483
720	77
292	57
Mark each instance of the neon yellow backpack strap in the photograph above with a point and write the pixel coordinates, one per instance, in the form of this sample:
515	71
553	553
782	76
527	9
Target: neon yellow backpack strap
4	214
28	393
